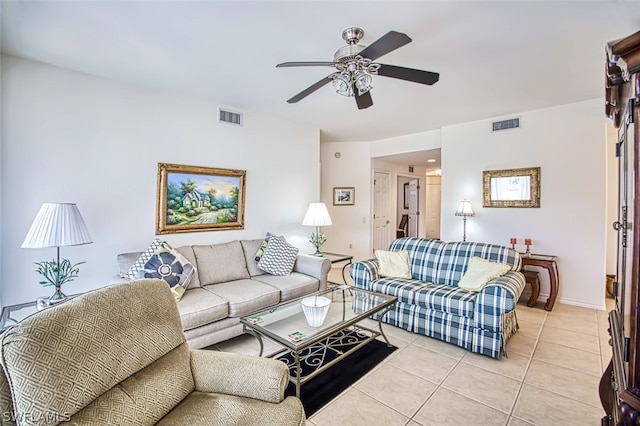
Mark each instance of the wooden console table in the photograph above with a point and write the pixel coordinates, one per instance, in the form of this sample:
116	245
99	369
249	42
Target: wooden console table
549	263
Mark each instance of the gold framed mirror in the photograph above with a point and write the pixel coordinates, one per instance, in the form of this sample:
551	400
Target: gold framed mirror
511	187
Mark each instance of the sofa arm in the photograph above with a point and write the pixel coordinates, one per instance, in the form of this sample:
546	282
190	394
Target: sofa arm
241	375
314	266
364	272
498	297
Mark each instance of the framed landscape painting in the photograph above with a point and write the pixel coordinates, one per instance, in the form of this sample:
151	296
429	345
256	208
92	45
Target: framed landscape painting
193	198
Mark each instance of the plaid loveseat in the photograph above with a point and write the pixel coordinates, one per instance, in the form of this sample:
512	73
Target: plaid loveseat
430	303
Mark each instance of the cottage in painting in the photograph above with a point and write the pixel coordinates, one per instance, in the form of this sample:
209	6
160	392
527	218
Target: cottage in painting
196	199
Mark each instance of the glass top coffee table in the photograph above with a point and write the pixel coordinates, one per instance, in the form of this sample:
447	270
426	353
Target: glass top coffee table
287	325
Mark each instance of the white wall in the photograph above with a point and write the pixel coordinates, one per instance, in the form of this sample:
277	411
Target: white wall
69	137
568	142
350	231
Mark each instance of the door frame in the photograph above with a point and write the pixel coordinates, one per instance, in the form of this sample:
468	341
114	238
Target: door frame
421	197
372	208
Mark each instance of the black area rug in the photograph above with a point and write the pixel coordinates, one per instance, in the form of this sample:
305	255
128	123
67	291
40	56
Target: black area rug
318	391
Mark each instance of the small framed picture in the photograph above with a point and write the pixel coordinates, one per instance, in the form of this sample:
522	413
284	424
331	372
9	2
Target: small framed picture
344	196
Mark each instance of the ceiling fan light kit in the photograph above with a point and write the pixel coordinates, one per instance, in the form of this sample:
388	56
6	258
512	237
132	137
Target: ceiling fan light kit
355	67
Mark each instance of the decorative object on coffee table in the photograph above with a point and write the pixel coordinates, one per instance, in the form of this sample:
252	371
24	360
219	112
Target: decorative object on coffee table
315	309
57	225
317	215
464	210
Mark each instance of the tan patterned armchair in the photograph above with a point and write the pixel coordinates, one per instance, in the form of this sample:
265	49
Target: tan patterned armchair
118	356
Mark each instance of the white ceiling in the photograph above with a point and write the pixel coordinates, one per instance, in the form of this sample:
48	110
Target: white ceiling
494	58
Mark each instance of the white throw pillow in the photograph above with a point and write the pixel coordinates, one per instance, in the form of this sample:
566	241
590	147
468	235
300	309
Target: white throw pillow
279	257
480	271
393	264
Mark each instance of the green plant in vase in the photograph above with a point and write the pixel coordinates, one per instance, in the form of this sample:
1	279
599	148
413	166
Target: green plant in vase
317	239
56	273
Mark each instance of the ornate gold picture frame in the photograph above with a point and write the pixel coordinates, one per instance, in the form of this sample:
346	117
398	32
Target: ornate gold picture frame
511	187
193	198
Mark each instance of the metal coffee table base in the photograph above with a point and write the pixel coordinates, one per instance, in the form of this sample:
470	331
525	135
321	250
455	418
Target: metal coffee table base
333	342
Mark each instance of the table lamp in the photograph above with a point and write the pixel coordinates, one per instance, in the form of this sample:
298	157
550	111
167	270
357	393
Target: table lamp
317	215
57	225
464	210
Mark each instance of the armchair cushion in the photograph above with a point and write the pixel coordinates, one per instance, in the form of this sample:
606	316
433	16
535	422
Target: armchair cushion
240	375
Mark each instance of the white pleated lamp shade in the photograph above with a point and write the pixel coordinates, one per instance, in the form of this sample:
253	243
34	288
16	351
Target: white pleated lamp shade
57	225
317	215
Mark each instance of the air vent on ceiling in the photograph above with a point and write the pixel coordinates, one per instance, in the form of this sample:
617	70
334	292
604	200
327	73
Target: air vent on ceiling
230	117
511	123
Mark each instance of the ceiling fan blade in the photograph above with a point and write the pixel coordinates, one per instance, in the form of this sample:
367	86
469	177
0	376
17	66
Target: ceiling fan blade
305	64
364	101
309	90
385	44
409	74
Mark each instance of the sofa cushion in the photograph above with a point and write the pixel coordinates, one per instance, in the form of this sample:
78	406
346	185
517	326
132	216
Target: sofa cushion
245	296
143	259
291	286
279	257
479	272
423	256
250	247
393	264
169	266
220	263
438	297
455	257
199	307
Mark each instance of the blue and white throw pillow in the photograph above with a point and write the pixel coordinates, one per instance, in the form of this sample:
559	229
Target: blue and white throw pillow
170	266
279	257
263	246
143	259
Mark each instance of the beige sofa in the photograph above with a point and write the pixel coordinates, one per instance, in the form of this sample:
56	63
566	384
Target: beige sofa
228	285
118	356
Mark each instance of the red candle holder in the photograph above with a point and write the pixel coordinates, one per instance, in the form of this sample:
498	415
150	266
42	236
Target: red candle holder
527	242
513	242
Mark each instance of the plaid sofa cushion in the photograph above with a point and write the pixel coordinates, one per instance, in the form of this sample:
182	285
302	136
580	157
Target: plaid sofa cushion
443	298
423	255
454	259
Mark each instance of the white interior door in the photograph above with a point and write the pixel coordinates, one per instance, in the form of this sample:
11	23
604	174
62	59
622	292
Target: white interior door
381	211
432	208
414	213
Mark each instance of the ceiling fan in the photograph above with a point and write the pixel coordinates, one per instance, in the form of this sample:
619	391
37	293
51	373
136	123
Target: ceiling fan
355	66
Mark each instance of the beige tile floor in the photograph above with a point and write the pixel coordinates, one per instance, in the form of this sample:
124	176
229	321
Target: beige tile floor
550	378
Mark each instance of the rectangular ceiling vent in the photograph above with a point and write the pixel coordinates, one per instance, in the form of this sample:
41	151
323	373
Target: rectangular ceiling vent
511	123
225	116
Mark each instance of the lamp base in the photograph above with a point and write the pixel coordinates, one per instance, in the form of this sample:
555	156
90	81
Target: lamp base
57	297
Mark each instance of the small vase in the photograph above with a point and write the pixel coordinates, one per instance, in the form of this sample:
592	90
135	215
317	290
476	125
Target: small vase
57	296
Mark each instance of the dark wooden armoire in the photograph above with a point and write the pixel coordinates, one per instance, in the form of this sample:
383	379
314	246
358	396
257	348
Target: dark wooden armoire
620	384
